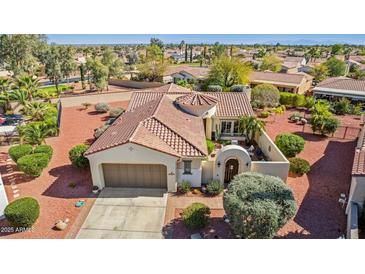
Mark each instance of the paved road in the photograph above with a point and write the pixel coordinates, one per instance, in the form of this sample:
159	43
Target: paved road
126	213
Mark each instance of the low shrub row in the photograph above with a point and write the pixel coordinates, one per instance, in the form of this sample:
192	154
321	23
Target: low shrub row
292	99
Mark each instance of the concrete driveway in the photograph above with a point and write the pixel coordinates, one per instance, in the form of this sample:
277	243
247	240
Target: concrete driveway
126	213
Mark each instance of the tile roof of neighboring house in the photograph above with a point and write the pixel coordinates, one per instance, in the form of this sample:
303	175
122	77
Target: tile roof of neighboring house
293	59
230	104
276	77
342	83
357	58
170	88
197	72
358	166
158	125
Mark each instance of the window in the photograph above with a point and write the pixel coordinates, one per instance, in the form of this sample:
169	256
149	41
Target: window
236	127
187	167
226	127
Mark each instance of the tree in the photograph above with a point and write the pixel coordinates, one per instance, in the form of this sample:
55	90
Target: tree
52	64
258	205
336	49
19	52
266	95
271	62
250	126
335	67
227	72
20	96
5	94
322	119
98	73
36	133
29	84
67	62
181	45
319	72
191	53
36	110
157	42
218	50
111	60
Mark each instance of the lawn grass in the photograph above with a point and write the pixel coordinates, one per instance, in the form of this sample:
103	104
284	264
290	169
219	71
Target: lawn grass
51	91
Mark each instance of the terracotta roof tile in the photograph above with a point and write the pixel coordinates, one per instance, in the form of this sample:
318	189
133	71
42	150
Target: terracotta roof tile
232	104
265	76
342	83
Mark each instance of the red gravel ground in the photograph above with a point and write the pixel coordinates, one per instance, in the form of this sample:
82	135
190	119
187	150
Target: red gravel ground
319	213
51	189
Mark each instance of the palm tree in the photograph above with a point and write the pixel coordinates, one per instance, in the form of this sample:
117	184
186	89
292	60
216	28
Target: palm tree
5	88
36	110
29	84
250	126
20	96
36	133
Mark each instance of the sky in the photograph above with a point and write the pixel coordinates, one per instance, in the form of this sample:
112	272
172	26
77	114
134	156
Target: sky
292	39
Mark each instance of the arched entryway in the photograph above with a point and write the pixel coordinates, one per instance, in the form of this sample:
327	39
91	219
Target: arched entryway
231	170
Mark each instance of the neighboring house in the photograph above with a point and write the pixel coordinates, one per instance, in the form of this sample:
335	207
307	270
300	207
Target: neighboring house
3	198
292	64
311	64
161	140
358	61
187	73
338	87
357	190
290	82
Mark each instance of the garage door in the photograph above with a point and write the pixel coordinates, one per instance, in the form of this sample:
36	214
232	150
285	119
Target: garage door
128	175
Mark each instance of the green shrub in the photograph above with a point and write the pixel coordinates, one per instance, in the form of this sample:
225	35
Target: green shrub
210	146
258	205
46	149
102	107
16	152
215	88
76	156
295	117
214	187
184	186
264	114
292	99
196	216
342	107
99	131
324	125
115	112
289	144
268	95
22	212
33	164
238	88
299	166
257	104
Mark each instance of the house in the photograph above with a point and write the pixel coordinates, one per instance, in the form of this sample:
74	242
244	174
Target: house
357	189
292	64
161	140
289	82
187	73
311	64
338	87
357	60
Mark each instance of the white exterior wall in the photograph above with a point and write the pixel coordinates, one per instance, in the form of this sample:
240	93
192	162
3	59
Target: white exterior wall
131	154
207	171
195	178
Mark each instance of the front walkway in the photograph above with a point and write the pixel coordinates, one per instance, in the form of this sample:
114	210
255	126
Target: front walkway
126	213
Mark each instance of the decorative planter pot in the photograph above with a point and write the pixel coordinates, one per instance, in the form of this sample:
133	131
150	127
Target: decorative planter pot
95	189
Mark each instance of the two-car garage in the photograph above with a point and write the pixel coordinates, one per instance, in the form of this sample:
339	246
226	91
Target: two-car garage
135	175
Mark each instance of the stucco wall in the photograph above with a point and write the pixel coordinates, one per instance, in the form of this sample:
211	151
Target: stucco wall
196	172
132	154
357	190
278	169
269	148
352	221
207	171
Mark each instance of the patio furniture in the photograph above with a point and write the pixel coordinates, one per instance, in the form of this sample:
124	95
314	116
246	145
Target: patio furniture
7	130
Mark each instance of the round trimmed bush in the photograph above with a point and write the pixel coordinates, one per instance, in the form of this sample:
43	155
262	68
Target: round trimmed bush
289	144
258	205
215	88
115	112
76	156
46	149
238	88
102	107
299	166
22	212
214	187
16	152
184	186
33	164
268	95
196	216
264	114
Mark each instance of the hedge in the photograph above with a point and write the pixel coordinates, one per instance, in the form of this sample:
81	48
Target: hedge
289	144
210	146
46	149
22	212
33	164
196	216
76	156
292	99
16	152
299	166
